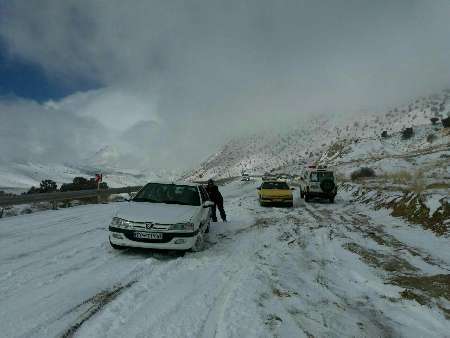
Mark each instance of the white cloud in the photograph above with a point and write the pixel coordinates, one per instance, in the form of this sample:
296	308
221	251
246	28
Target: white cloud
115	108
32	132
205	70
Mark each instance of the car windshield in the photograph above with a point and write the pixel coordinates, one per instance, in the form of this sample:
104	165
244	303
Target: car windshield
168	193
275	185
319	175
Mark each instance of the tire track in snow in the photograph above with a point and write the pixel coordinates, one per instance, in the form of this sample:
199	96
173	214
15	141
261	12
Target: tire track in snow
324	226
93	305
315	268
212	326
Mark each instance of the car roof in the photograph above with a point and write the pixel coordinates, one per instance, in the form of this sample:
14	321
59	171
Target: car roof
274	181
318	169
191	184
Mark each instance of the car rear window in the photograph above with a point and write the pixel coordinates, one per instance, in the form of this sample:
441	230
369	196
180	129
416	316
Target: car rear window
319	175
275	185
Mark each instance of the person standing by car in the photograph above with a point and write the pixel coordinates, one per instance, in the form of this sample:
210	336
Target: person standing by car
217	199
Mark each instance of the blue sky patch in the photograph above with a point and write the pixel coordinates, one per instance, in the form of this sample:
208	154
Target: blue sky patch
26	80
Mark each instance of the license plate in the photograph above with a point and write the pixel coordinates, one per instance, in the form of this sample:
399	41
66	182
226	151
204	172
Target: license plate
148	235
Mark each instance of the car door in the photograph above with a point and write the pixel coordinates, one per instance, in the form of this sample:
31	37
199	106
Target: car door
206	212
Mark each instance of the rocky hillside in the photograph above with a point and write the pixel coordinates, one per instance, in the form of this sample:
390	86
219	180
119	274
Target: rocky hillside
328	138
411	176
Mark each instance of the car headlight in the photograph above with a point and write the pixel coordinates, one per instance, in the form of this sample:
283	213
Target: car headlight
183	226
121	223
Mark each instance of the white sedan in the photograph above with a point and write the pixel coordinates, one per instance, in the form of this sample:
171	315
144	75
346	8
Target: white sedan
168	216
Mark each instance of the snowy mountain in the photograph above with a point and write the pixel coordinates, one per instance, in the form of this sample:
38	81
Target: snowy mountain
319	138
310	140
108	156
18	177
108	160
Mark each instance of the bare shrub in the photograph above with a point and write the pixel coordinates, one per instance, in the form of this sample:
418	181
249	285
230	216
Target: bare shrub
407	133
418	184
361	173
399	177
446	122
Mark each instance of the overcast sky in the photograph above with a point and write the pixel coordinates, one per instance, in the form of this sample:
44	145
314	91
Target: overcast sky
172	80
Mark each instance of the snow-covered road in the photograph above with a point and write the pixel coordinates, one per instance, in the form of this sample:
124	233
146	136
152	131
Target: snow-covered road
315	270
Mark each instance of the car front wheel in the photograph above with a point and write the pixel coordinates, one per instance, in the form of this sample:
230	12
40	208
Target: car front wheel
199	244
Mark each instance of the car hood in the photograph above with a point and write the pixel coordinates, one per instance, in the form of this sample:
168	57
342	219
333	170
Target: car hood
156	212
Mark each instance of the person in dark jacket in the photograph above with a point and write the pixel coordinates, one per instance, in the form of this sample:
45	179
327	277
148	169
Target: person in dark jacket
216	197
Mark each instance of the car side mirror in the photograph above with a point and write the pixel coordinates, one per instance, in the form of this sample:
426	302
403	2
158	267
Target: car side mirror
208	204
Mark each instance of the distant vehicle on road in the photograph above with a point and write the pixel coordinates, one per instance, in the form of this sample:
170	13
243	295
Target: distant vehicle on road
166	216
275	192
245	177
269	177
318	181
284	177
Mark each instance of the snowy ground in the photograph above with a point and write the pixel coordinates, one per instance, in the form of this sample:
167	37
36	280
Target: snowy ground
317	270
